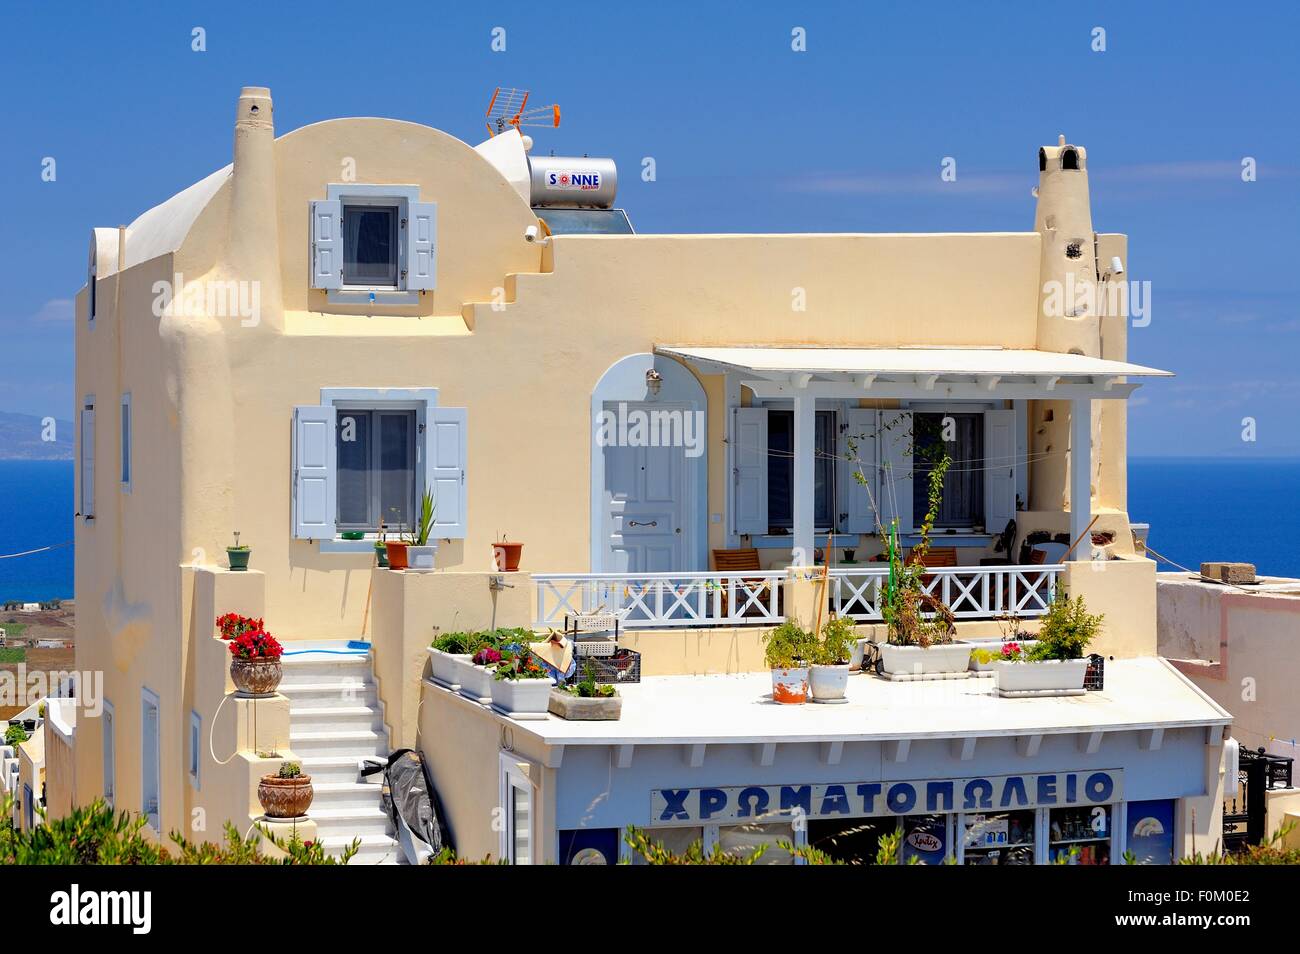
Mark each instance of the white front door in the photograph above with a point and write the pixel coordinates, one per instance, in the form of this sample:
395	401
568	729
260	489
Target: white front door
644	507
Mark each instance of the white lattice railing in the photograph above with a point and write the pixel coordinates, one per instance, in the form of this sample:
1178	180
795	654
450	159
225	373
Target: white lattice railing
662	599
971	592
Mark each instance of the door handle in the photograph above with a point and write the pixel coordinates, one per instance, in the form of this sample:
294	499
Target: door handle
652	523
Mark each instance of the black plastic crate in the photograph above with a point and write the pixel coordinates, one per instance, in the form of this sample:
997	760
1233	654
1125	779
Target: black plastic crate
1094	679
622	667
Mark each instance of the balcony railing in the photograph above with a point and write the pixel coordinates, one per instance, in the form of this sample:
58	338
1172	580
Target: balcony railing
663	599
748	597
971	592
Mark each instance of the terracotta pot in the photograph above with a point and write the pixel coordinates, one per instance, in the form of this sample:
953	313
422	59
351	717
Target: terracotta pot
285	797
396	555
506	556
257	677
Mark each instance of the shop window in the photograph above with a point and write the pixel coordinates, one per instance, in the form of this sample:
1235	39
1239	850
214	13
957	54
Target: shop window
1080	836
925	838
743	840
1005	838
1151	832
675	840
853	841
589	846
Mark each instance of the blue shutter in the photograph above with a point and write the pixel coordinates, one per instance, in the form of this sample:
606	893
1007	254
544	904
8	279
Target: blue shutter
422	220
999	469
894	443
314	464
326	243
749	468
857	500
445	470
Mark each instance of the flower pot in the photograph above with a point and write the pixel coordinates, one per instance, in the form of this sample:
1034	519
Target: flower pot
396	555
1045	676
284	797
446	668
790	686
476	683
381	555
238	557
521	698
829	683
259	676
421	558
590	709
859	650
505	556
943	659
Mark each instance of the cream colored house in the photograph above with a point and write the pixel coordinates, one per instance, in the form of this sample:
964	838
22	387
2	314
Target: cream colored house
297	345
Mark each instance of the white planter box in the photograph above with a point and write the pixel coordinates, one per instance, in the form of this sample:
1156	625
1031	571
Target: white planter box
445	668
476	683
521	698
996	647
1059	675
421	558
916	661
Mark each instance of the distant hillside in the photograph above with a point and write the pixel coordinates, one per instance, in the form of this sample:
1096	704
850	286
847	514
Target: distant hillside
20	438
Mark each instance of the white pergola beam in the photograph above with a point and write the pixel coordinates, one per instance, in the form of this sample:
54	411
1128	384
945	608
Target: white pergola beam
805	427
848	389
1080	475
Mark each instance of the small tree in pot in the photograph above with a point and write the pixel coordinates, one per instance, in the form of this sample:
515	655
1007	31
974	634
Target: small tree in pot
829	675
287	793
789	649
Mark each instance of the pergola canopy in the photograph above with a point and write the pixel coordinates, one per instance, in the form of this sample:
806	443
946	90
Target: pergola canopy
913	372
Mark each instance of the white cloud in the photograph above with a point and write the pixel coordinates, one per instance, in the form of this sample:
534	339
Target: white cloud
56	309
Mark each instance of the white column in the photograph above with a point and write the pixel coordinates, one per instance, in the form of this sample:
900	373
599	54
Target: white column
805	429
1080	474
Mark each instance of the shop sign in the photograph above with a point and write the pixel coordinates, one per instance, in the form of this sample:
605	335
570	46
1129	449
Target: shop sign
854	799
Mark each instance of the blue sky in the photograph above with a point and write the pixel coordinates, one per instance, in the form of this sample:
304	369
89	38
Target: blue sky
747	135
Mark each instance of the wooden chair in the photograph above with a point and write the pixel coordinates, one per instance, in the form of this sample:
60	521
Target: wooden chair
739	561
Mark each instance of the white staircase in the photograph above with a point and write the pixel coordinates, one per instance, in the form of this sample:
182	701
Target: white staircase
335	722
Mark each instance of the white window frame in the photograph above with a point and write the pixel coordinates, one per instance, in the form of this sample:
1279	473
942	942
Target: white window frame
196	748
91	287
512	778
108	741
399	196
149	699
342	409
86	488
127	426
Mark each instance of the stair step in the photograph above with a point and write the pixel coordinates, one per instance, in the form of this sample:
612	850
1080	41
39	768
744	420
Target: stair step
374	849
344	795
334	718
349	822
330	669
336	769
311	694
352	742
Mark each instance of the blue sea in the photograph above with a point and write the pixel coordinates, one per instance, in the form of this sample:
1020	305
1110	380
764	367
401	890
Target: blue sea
1198	508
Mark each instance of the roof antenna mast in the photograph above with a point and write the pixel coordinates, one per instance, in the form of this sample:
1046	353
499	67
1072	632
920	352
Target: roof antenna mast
509	107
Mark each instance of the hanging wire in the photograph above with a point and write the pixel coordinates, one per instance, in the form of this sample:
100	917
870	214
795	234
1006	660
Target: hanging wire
56	546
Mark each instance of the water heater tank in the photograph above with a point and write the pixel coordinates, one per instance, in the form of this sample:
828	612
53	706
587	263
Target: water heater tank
573	182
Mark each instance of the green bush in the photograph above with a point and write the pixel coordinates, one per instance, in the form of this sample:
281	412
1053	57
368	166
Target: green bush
789	644
15	734
1066	630
835	648
95	835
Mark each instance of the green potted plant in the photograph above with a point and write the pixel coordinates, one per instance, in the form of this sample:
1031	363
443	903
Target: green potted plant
381	547
420	552
447	653
586	700
1055	663
255	662
788	649
920	628
521	688
828	677
287	793
238	555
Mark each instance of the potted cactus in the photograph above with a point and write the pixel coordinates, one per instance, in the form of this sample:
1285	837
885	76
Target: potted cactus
237	555
287	793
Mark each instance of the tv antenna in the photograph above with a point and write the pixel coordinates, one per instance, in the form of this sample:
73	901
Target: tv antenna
509	107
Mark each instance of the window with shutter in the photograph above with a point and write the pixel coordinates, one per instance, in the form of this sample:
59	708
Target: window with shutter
88	459
448	446
314	468
749	468
894	447
373	244
861	479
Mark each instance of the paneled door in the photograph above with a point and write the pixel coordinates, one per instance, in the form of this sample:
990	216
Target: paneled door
644	508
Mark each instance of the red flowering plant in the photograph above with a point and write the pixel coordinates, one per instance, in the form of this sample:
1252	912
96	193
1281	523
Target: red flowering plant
487	656
255	644
1012	652
520	665
232	625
